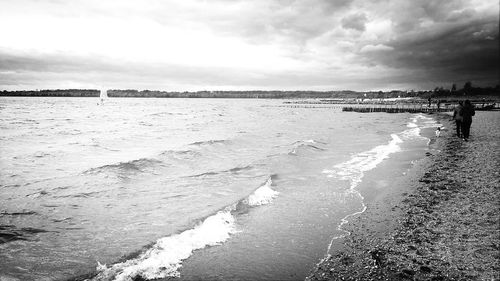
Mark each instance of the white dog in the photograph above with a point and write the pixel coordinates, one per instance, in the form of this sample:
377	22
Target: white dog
438	132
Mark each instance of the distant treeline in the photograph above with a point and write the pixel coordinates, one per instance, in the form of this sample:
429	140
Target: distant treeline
467	89
438	92
206	94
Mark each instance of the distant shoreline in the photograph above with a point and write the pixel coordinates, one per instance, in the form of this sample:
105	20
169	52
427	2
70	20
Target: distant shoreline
475	93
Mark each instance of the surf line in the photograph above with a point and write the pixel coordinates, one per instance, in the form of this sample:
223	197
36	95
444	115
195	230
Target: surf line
165	257
353	170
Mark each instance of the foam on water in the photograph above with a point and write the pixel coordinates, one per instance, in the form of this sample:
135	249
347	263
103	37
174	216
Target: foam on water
353	170
165	257
416	125
305	144
263	195
427	122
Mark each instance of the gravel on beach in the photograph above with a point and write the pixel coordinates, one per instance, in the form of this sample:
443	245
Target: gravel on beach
445	227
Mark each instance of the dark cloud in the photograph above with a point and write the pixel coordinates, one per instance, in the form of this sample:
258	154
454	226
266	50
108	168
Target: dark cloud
408	15
457	53
439	41
355	21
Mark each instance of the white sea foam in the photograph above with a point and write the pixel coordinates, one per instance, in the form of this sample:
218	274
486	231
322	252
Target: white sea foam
411	133
416	125
428	122
263	195
305	143
353	170
412	123
165	257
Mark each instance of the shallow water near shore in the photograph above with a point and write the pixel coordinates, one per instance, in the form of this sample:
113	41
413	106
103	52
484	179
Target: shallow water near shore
186	188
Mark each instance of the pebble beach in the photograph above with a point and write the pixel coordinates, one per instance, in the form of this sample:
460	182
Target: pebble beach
441	221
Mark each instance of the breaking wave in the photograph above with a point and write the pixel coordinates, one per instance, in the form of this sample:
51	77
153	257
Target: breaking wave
165	257
353	170
305	145
262	195
416	124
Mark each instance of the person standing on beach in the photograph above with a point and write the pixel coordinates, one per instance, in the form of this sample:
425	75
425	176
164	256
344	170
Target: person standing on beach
457	116
467	113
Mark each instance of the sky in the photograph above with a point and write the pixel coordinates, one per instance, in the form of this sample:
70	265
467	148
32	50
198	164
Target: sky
192	45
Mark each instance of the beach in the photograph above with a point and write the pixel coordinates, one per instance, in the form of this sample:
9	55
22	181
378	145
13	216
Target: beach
440	221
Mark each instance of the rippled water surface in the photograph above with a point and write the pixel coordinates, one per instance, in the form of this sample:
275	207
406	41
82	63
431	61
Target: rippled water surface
190	188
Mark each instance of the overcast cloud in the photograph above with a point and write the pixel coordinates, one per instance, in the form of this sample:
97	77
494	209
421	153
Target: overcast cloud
248	44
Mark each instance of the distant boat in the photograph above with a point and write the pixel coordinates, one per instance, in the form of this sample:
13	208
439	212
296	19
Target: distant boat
103	96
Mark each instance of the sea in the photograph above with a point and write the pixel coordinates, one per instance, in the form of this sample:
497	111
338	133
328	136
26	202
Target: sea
186	189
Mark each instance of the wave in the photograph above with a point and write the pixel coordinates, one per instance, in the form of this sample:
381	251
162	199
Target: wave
80	195
209	142
10	233
180	154
161	113
235	170
207	174
42	154
309	141
307	144
416	124
240	169
164	258
72	132
262	195
353	170
22	213
137	165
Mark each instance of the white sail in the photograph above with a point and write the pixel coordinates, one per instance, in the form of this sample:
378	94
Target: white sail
104	94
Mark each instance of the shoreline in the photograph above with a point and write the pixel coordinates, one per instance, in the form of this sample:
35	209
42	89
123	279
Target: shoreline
438	222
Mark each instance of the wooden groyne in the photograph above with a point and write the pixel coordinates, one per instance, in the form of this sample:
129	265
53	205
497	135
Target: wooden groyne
386	107
396	108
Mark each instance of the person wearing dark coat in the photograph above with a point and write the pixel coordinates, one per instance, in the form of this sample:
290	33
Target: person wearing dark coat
467	113
457	116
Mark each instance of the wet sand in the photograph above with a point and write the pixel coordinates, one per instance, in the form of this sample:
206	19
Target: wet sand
440	221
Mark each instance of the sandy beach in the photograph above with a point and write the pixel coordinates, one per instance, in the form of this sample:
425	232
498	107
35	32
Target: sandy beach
439	221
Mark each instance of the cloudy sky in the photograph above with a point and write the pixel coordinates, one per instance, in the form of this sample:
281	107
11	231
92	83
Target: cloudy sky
248	44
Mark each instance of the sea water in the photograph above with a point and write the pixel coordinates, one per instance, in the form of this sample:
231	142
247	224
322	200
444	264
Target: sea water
183	188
